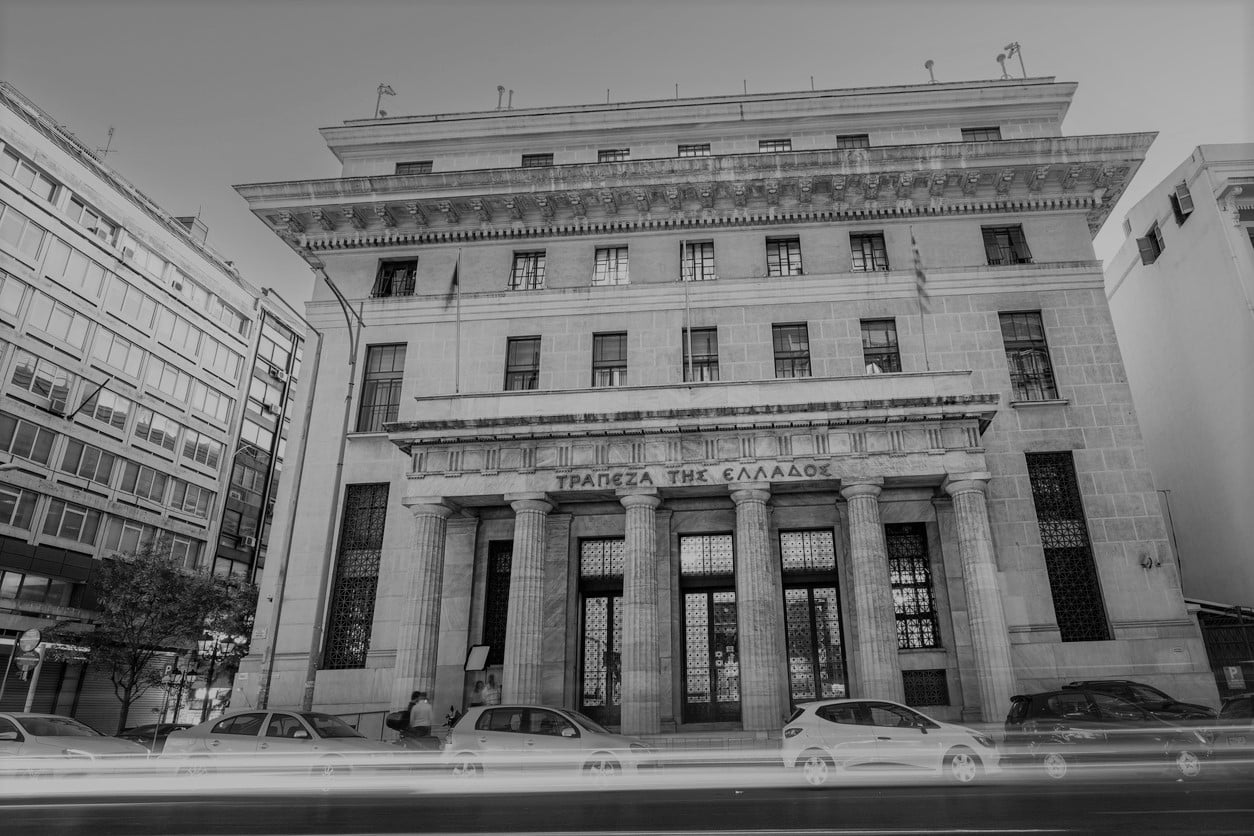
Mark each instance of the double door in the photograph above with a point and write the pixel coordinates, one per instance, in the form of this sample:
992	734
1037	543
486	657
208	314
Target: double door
711	657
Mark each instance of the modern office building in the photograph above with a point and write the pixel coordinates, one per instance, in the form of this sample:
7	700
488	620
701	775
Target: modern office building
676	412
1181	293
144	389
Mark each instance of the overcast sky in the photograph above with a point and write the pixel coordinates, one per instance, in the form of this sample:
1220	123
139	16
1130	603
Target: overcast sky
211	93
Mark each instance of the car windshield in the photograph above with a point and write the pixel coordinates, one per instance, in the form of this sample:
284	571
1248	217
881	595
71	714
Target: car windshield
588	723
1145	693
58	727
326	725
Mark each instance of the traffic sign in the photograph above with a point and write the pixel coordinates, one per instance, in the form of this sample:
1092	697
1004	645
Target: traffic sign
26	660
29	640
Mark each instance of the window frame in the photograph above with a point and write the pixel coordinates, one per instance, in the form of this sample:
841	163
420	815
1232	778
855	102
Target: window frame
703	366
868	252
688	262
1005	246
414	167
990	133
846	142
783	256
1151	245
886	358
374	381
1024	383
788	361
693	149
527	377
613	155
782	145
609	372
541	160
611	267
388	283
527	270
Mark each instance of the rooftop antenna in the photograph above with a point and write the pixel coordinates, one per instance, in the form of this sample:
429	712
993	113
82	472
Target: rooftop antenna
510	105
384	90
677	89
102	152
1001	59
812	83
745	82
607	95
927	65
500	95
1012	49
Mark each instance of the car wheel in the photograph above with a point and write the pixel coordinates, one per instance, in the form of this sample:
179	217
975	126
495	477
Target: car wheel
195	768
602	769
963	766
816	767
1187	764
1055	765
467	766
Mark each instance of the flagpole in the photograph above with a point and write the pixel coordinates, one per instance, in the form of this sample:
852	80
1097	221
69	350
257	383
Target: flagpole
457	348
920	287
687	307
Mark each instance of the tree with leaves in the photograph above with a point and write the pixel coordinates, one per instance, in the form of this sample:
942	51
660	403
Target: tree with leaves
147	607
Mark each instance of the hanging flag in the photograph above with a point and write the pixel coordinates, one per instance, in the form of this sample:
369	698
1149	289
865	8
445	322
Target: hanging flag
920	278
455	287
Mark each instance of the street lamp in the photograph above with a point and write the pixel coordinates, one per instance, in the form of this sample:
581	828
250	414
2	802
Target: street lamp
172	680
215	646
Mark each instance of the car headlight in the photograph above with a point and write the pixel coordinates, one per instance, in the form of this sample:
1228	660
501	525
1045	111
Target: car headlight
985	741
791	732
76	753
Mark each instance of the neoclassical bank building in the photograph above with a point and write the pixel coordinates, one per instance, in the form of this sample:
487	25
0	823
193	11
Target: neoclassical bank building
682	412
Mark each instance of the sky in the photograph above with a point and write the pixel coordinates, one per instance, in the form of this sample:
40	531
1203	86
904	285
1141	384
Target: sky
206	94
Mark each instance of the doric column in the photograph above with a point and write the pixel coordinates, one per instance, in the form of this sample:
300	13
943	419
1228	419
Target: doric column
525	622
989	637
759	613
877	667
641	667
419	631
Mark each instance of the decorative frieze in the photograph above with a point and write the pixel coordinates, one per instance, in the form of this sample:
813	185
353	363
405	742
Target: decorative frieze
416	213
322	217
383	214
450	211
354	217
481	208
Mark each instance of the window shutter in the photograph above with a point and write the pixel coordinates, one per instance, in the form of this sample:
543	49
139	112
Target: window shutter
1149	253
990	247
1185	198
1021	245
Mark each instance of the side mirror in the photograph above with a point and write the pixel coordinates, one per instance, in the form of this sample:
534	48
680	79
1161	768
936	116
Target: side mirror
567	731
9	735
301	734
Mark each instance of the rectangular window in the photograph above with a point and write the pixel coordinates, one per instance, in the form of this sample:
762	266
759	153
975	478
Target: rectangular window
89	462
20	233
981	134
1151	246
220	359
522	364
177	333
60	322
396	277
191	499
869	253
118	353
1181	202
853	141
127	536
879	346
157	429
202	449
792	350
43	379
496	598
1073	583
773	146
614	155
696	261
73	522
910	573
142	481
73	269
168	379
381	387
1027	355
1006	245
12	292
611	266
17	507
528	271
609	360
350	617
699	149
536	160
91	220
108	409
700	354
417	167
130	304
783	256
25	440
28	175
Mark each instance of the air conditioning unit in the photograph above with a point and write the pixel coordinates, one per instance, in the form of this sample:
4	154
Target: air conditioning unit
278	375
128	253
248	542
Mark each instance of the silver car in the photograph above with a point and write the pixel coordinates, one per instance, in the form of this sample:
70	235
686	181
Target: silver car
527	736
35	743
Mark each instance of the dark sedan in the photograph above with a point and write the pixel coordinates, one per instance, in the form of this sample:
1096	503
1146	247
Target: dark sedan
1161	705
152	736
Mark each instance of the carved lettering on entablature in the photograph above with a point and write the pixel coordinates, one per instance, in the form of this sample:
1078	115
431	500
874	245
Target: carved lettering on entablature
642	200
740	194
514	207
936	183
970	182
772	192
805	190
353	215
871	187
1071	178
450	211
290	222
546	206
838	188
482	208
1037	178
1004	178
416	212
675	198
905	184
322	218
576	204
608	201
384	215
705	193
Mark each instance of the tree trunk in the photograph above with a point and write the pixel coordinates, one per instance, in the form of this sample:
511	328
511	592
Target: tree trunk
127	698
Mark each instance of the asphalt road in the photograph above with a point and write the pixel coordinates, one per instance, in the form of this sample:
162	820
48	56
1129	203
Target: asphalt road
1214	806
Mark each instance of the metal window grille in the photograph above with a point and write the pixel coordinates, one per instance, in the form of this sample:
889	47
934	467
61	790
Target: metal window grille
1073	583
1006	245
853	141
522	364
869	252
697	262
536	160
700	149
1027	355
706	555
611	266
609	360
926	687
910	572
381	387
792	350
981	134
351	614
528	271
879	345
613	155
772	146
807	551
496	598
395	278
420	167
783	257
601	693
601	558
702	364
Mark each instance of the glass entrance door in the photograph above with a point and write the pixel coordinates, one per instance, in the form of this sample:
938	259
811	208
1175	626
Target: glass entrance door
816	659
600	696
711	660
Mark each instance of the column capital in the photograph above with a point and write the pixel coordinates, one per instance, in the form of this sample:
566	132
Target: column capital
750	492
530	501
956	483
428	506
862	486
639	497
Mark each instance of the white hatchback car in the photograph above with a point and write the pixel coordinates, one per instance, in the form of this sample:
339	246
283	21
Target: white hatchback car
832	737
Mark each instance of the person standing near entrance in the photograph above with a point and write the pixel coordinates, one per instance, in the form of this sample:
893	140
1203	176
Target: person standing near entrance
492	692
420	715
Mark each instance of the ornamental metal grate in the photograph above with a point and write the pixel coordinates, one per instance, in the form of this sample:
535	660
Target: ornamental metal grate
356	577
707	554
910	572
1078	606
930	687
601	694
807	551
601	558
496	598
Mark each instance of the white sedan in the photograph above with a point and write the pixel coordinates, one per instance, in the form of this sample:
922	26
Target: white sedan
849	737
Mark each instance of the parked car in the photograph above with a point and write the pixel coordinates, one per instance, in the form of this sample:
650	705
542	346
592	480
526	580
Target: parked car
322	742
499	736
34	743
1149	698
829	738
1234	732
152	736
1059	730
